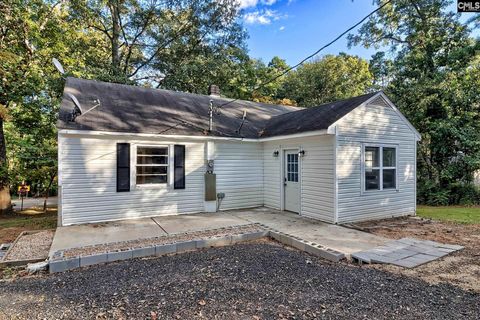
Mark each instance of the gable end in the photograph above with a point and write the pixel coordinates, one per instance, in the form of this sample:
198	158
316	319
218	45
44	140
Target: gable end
381	100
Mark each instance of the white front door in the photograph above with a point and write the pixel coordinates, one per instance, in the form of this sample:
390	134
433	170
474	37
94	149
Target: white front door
291	180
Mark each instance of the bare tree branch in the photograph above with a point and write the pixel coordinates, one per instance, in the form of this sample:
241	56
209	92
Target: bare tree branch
47	18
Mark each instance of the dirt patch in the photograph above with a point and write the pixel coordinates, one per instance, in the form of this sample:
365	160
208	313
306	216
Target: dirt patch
31	246
461	268
8	235
12	225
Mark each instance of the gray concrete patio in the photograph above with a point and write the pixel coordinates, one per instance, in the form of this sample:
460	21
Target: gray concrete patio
335	237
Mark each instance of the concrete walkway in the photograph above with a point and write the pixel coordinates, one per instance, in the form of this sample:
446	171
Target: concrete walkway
331	236
335	237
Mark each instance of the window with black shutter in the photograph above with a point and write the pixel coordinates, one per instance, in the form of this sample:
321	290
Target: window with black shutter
152	165
179	167
123	167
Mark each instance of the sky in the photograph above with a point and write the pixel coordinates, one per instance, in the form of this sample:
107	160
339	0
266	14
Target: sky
293	29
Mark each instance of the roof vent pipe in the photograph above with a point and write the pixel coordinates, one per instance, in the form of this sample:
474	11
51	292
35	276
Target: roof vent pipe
213	90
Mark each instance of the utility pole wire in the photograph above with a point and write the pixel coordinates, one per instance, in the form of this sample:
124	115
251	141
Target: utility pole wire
284	72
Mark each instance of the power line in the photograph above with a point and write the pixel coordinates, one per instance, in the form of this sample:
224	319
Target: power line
284	72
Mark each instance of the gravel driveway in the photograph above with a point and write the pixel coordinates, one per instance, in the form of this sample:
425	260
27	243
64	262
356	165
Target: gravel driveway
248	281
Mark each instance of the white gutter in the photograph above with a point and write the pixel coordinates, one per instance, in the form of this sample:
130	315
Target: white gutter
185	137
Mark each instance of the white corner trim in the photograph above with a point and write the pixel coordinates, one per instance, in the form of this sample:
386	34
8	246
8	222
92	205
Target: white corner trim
335	176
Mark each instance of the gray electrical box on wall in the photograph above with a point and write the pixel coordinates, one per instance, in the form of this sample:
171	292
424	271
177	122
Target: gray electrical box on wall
210	187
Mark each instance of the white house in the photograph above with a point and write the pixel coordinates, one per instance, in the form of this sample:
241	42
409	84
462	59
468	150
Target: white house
136	152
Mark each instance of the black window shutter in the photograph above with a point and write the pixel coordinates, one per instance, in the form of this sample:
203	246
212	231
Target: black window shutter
123	167
179	166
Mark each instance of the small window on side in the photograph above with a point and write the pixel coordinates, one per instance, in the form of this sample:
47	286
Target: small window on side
380	167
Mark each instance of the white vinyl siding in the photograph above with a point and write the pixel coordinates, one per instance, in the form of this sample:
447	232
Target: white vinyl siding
247	172
317	175
239	170
371	125
88	178
272	175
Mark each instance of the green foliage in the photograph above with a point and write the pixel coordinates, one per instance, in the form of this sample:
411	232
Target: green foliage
33	31
136	42
327	79
434	78
170	44
464	194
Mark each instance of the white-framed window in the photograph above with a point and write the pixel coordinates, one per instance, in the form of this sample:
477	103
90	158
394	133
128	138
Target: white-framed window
379	167
152	165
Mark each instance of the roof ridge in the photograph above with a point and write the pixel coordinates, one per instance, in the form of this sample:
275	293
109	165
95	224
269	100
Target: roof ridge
183	92
277	118
329	103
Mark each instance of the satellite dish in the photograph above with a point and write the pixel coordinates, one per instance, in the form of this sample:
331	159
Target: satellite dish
58	65
75	102
77	110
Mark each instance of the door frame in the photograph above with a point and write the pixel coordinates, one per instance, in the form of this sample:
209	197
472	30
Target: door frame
283	151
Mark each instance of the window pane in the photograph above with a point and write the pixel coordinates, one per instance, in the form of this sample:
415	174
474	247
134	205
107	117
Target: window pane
389	157
151	179
372	180
292	167
152	160
152	151
372	158
151	170
389	178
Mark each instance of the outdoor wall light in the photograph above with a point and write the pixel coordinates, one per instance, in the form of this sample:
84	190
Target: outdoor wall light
301	153
276	153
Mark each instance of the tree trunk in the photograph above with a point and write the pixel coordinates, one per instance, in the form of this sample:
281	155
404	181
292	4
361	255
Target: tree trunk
47	192
115	12
5	201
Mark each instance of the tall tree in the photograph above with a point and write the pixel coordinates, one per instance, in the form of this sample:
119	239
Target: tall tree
327	79
25	29
381	69
435	82
32	32
149	41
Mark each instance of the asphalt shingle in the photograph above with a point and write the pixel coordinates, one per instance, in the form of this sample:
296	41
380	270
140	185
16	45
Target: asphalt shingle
134	109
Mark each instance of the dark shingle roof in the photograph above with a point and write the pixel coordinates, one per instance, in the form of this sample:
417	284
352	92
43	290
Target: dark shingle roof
312	119
142	110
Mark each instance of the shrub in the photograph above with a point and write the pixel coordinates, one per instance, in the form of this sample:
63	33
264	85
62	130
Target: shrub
458	193
464	194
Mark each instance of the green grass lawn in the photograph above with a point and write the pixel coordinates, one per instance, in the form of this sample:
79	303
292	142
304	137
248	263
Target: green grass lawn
453	213
29	219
